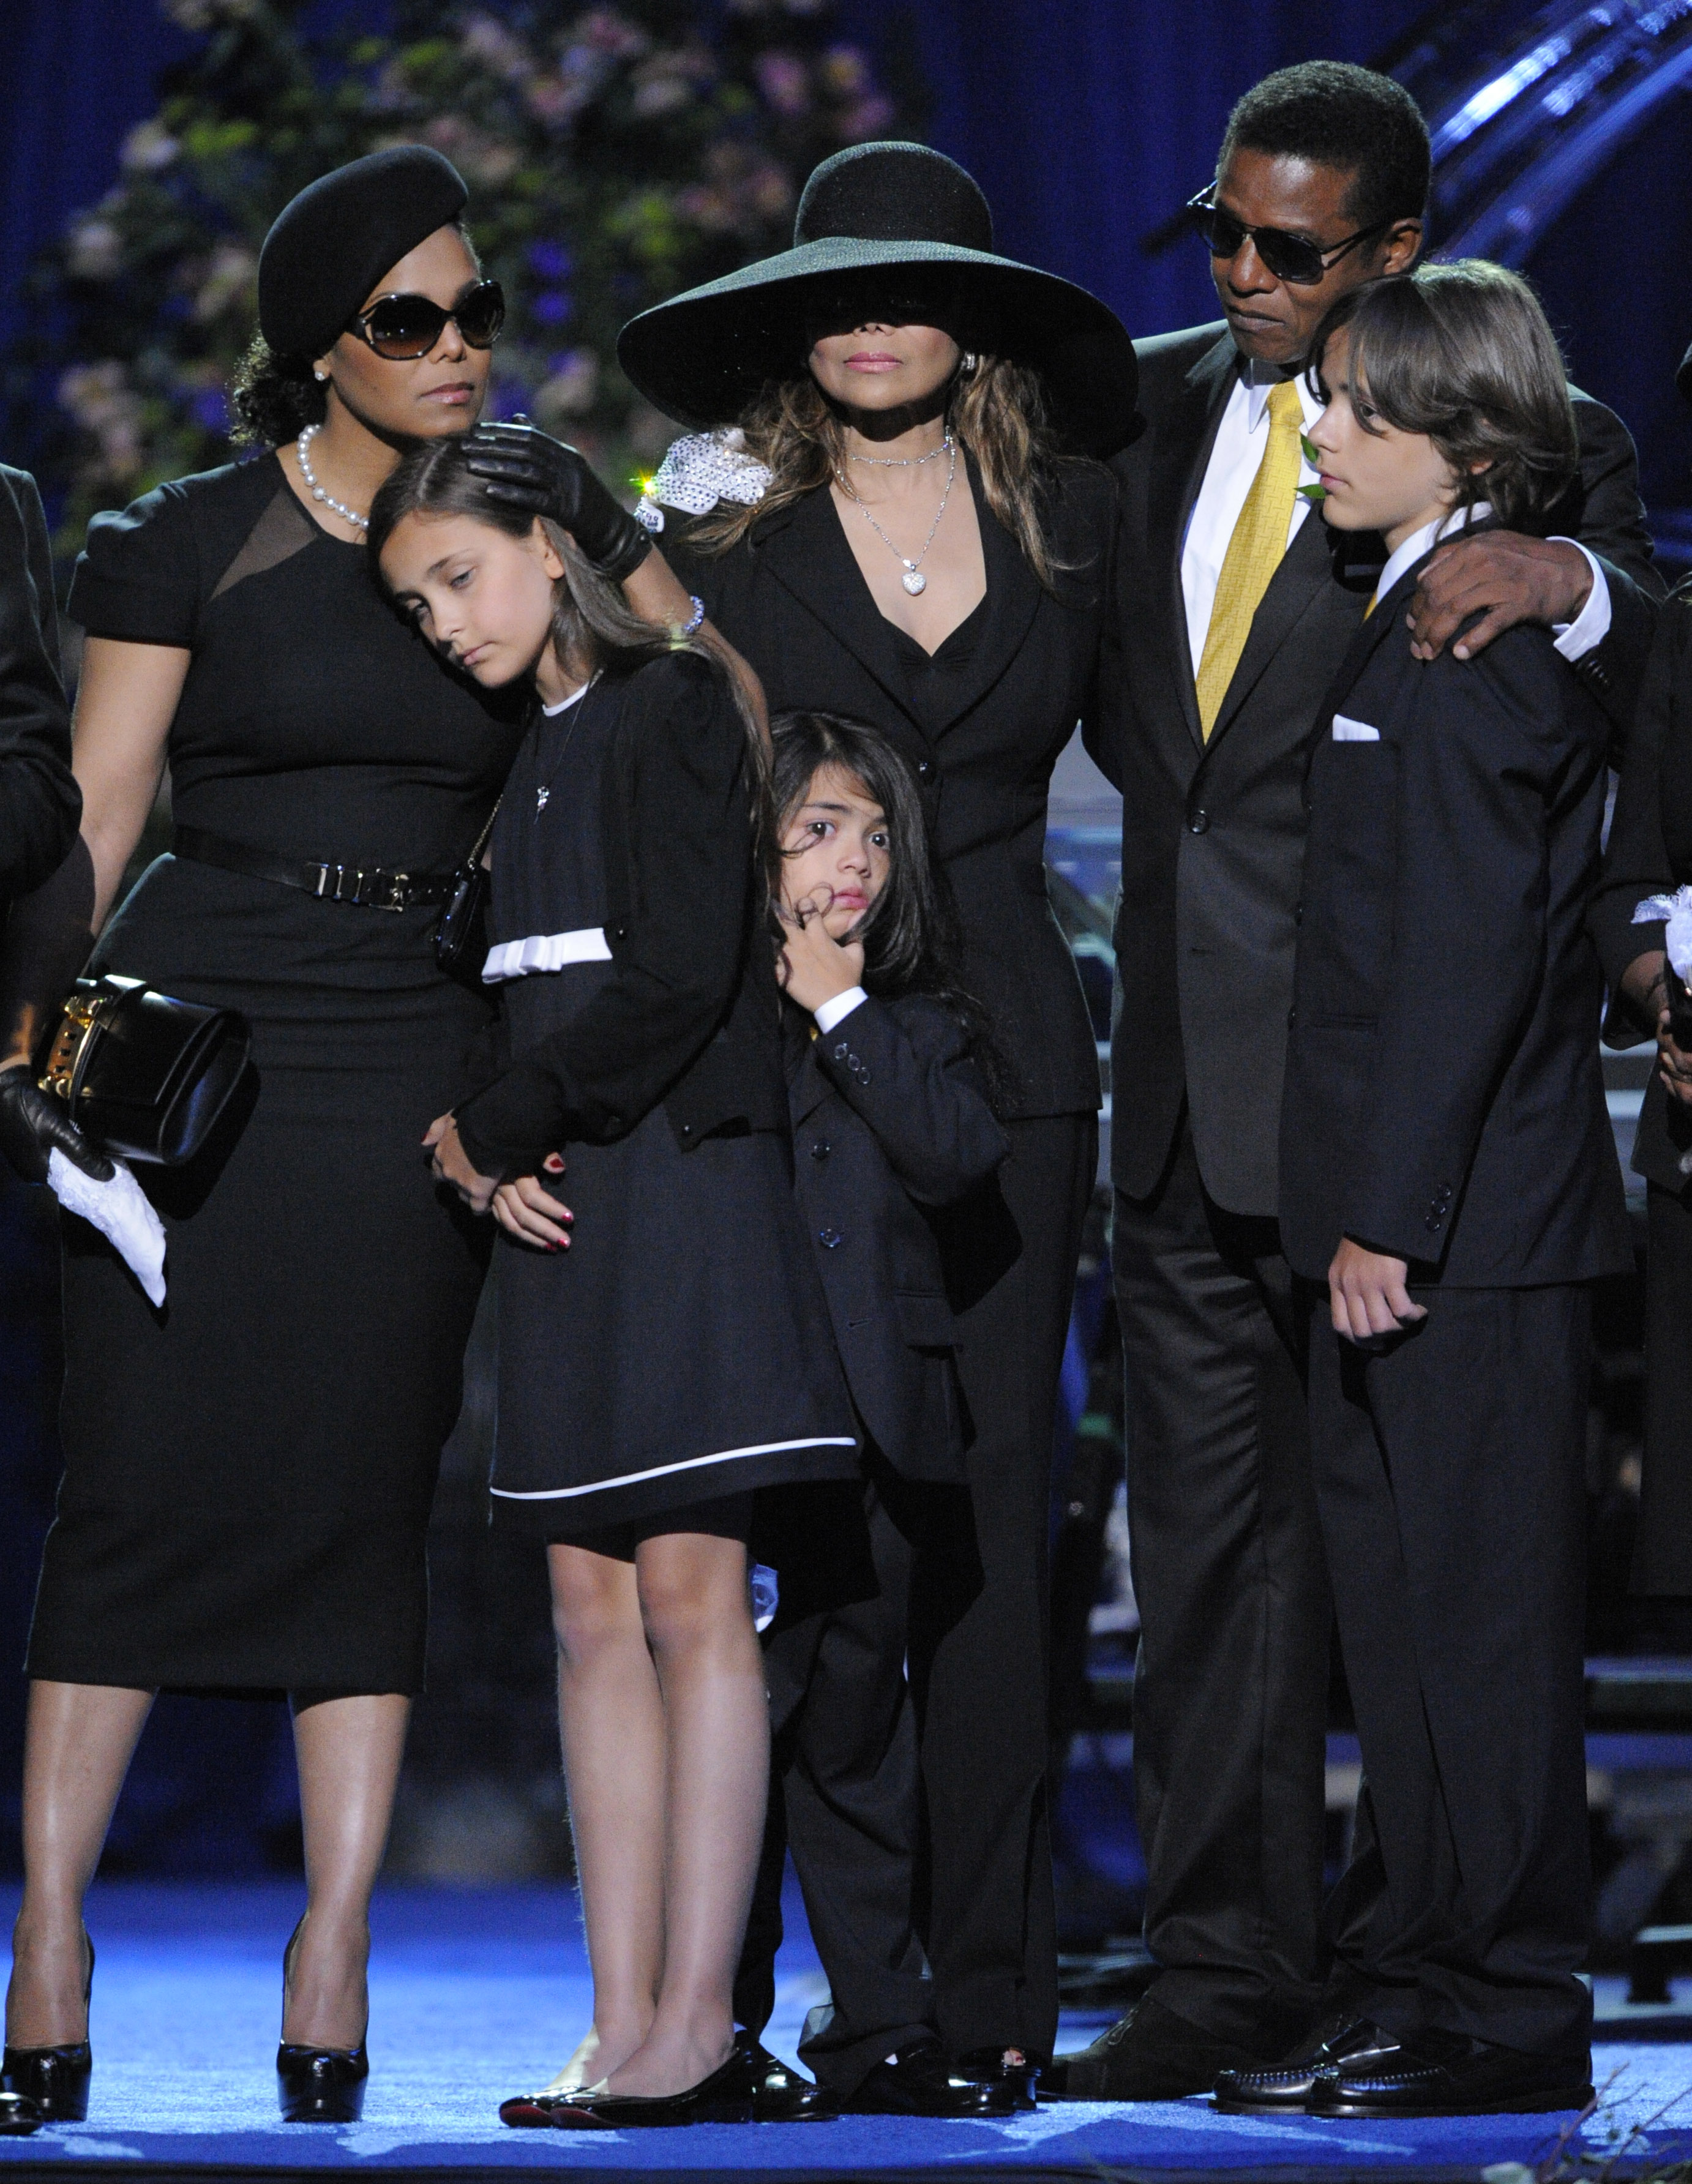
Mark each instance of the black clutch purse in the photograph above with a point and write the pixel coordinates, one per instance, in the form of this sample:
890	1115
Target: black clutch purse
461	931
144	1076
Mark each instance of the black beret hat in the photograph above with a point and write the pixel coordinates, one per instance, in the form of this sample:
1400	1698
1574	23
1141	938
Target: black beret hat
328	247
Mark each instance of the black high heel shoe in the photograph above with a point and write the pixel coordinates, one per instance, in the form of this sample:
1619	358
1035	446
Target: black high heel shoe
319	2085
54	2081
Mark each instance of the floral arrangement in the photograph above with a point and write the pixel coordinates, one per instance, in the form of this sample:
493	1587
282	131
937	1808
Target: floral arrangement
615	154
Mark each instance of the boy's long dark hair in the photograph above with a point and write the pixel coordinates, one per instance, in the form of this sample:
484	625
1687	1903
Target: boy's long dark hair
592	624
909	933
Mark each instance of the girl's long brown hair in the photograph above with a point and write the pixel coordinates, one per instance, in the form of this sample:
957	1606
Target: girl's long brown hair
593	626
997	411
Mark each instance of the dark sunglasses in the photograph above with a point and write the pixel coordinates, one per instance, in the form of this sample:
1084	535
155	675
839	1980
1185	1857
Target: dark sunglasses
1291	258
403	327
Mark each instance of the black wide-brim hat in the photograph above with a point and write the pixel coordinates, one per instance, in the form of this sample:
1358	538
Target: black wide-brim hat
898	231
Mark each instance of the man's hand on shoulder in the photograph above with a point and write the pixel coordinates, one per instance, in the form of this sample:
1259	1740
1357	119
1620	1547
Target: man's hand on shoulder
1505	576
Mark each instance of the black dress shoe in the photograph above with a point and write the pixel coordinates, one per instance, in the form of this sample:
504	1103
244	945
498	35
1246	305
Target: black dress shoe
1286	2087
1151	2054
729	2095
780	2095
919	2078
994	2064
53	2080
321	2085
19	2116
1440	2073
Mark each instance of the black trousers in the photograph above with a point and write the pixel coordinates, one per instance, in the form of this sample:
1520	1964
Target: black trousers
974	1628
1663	1559
1231	1685
1451	1471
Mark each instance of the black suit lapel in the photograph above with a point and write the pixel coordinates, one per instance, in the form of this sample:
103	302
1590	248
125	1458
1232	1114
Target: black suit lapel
1187	433
1370	635
806	550
1013	593
1306	569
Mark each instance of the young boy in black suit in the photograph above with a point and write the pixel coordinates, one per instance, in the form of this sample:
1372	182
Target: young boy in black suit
1448	1174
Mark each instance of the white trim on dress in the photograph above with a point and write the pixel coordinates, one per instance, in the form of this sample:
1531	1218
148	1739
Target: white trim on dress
663	1470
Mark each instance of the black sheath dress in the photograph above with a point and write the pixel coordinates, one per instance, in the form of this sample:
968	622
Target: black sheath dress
679	1351
248	1470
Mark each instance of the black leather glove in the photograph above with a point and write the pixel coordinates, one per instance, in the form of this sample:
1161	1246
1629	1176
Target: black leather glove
32	1122
527	468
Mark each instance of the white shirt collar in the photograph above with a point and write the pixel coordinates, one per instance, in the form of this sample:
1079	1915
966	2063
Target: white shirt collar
1423	542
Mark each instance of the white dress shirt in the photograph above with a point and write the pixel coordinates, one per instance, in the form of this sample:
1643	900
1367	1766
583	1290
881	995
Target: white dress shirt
1241	438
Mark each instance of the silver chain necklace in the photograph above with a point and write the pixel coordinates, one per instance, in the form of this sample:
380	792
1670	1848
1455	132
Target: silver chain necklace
904	462
913	580
302	449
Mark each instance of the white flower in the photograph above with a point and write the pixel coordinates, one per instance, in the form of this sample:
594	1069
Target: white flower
93	247
1677	909
148	148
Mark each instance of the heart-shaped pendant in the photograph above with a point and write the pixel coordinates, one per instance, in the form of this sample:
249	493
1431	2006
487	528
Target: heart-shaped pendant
914	582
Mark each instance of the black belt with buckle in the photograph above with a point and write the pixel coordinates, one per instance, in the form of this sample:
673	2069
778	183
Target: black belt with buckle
364	887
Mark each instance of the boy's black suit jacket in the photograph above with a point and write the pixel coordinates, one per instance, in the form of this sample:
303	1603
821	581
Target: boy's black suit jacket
890	1117
40	803
1443	1100
1213	833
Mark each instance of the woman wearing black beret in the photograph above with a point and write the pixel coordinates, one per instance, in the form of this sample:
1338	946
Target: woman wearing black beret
249	1469
1648	857
898	523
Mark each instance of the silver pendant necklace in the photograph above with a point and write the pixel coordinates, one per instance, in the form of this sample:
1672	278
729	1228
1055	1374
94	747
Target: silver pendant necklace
302	449
903	462
913	580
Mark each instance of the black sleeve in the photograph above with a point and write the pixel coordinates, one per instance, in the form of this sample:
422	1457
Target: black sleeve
138	577
906	1068
678	764
1475	769
41	806
1636	860
1100	575
1604	511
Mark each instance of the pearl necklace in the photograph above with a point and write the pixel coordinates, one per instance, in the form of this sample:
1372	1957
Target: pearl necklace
913	580
904	462
300	449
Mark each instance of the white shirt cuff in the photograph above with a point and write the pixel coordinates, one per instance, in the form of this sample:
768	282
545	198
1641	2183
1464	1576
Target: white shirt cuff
1591	625
835	1011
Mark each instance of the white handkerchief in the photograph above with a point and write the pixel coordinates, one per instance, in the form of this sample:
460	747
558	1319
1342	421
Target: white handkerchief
1353	731
1677	909
122	1212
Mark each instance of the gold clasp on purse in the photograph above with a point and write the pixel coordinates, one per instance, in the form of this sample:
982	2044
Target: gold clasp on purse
76	1028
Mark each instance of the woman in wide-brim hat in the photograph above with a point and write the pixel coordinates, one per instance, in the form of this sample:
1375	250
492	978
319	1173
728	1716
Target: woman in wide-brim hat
900	515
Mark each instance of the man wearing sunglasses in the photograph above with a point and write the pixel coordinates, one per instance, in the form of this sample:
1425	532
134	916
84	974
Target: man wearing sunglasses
1237	605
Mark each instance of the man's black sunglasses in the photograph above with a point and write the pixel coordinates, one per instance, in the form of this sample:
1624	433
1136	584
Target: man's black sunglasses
1293	258
403	327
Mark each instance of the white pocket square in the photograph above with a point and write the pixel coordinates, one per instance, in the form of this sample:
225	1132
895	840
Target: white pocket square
1353	731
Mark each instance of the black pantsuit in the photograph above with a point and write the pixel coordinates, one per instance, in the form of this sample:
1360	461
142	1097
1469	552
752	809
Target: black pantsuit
1229	1577
1452	1475
982	725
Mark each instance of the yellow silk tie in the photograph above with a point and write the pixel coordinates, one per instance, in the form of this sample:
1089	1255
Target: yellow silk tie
1253	551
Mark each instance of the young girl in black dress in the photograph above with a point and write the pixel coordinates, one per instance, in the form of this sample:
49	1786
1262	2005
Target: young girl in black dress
664	1343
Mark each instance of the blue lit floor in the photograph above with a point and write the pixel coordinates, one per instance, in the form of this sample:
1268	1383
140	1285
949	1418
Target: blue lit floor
476	1995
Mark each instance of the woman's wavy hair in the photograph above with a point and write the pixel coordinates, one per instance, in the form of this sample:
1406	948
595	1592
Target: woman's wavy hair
997	410
273	396
593	626
1462	354
909	933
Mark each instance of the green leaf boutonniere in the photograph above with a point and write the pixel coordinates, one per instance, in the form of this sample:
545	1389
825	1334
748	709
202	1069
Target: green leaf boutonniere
1313	493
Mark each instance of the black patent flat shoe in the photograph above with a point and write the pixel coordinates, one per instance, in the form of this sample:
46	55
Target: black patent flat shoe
19	2116
727	2096
321	2085
54	2081
780	2095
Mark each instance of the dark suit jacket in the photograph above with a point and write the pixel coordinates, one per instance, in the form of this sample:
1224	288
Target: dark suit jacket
40	803
792	598
1213	833
689	1013
1443	1098
890	1116
1649	852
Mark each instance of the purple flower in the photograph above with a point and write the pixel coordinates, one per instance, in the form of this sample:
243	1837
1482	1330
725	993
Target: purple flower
552	307
506	398
208	409
550	261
